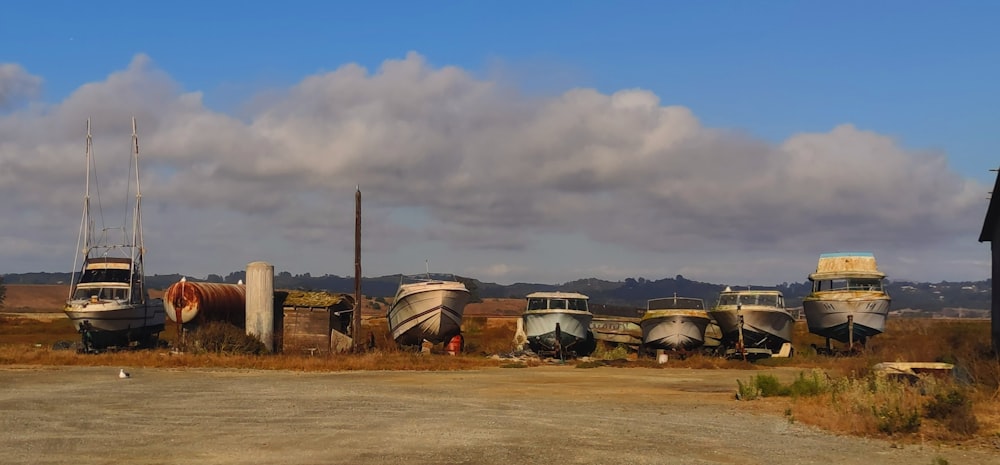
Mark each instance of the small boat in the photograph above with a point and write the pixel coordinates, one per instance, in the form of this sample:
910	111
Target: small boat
108	301
616	329
559	322
754	322
848	302
427	309
674	324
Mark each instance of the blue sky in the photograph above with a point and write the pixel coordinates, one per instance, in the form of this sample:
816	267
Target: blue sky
922	74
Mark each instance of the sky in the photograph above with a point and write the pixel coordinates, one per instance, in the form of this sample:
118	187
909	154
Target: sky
730	142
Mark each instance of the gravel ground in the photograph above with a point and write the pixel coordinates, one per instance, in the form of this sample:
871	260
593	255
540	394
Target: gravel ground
553	414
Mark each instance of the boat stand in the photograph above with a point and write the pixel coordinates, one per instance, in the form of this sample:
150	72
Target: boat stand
854	345
850	332
740	347
559	347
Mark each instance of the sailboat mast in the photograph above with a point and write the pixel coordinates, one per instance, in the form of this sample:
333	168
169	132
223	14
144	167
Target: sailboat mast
83	237
137	243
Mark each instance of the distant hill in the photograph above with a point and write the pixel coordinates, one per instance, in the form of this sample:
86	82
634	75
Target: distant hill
618	296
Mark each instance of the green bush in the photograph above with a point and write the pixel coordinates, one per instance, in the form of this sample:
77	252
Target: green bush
748	391
769	386
953	408
807	386
892	419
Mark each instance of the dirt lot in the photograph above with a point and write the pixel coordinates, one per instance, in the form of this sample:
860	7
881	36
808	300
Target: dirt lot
552	414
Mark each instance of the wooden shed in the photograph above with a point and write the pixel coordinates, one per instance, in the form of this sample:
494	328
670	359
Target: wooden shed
991	234
313	322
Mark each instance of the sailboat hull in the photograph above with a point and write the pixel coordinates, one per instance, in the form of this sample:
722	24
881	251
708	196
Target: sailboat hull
430	311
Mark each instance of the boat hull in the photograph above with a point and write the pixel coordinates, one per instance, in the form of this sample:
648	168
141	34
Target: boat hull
427	312
619	330
762	328
118	324
540	328
830	314
674	329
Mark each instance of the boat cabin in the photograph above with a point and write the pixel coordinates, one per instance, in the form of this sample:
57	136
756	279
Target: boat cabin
557	301
105	279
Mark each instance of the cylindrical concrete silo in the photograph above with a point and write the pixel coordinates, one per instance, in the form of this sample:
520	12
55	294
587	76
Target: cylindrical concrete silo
260	302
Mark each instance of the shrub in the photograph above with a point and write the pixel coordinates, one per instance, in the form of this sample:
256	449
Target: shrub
224	338
605	351
953	408
892	419
748	391
806	386
769	386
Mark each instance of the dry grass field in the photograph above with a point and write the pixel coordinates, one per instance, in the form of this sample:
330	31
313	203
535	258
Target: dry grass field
840	394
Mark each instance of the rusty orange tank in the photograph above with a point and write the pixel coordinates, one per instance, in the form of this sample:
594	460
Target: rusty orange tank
187	302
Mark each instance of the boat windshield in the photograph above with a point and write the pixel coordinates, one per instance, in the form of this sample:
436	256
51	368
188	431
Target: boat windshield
105	275
103	293
853	284
538	303
763	300
676	303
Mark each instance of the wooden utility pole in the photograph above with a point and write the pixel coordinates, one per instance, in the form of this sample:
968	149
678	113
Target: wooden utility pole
356	320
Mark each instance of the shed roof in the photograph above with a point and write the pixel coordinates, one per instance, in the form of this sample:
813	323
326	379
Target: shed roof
992	213
314	299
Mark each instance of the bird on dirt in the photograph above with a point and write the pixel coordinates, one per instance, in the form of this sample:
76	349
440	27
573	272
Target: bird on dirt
123	374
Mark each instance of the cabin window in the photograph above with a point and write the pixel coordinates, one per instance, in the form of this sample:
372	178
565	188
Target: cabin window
557	304
105	276
767	300
866	284
728	300
84	294
104	293
578	304
536	304
748	299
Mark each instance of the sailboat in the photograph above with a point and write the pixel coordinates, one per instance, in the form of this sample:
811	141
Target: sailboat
108	301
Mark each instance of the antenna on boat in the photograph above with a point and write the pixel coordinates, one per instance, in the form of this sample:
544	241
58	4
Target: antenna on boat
83	239
356	316
427	268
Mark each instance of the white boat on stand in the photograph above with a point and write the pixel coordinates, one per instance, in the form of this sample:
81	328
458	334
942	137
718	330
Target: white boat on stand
559	323
848	302
754	323
108	301
426	309
674	324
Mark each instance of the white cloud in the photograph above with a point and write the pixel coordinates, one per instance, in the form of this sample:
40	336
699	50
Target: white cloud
16	84
446	158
